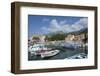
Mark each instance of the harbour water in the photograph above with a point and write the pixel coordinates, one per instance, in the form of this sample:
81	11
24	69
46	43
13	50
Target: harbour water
64	53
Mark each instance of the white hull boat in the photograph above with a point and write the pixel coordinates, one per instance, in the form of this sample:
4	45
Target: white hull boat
49	53
36	49
78	56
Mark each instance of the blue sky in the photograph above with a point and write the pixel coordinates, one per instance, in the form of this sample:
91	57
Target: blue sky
41	24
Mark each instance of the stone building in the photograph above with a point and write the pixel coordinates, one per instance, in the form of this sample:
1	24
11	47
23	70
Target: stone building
39	38
73	37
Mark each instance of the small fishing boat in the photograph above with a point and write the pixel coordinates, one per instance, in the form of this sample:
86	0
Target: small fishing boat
42	50
78	56
37	48
49	53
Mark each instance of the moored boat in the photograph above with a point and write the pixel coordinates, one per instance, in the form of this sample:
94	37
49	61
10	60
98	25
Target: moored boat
49	53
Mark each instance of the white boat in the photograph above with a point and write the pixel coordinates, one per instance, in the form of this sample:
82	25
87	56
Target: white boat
78	56
42	50
36	49
49	53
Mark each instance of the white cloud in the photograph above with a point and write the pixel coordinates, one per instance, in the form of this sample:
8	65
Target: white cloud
54	24
63	26
63	22
82	23
45	20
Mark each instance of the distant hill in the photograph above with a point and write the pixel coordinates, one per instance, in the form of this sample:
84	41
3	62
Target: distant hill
84	30
61	35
